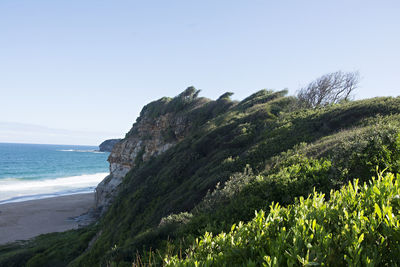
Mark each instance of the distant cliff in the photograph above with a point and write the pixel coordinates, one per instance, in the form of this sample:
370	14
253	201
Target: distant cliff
108	145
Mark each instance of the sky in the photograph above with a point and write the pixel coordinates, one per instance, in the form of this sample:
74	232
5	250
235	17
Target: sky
79	72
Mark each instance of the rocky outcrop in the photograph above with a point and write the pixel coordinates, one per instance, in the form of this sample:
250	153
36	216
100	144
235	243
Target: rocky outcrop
108	145
160	126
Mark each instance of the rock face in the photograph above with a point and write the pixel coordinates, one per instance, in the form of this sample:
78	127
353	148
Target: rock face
158	128
108	145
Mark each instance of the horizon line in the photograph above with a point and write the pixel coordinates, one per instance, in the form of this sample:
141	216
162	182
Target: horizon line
24	143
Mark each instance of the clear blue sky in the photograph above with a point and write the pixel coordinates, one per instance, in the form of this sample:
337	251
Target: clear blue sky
89	66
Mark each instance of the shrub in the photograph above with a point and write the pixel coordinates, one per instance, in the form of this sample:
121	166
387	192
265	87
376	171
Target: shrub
357	226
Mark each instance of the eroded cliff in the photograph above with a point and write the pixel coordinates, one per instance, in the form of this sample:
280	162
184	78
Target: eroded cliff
161	125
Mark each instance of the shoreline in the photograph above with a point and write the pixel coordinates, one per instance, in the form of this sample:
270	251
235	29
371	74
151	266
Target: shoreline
27	219
17	190
26	198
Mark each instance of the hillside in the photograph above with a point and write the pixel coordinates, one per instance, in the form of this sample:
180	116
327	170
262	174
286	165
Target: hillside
192	165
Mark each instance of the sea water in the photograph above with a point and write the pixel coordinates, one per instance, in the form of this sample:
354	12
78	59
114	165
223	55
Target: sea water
31	171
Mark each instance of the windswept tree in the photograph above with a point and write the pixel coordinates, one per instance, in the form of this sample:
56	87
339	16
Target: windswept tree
329	89
189	94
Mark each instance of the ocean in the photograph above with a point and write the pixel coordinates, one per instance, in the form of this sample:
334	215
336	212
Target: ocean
32	171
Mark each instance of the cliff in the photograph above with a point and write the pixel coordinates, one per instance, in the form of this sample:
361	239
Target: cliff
108	145
149	140
161	125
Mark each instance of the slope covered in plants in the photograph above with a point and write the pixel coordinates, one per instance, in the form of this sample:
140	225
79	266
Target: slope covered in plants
237	158
166	199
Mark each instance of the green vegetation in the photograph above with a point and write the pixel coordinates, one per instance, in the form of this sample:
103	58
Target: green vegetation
240	157
357	226
56	249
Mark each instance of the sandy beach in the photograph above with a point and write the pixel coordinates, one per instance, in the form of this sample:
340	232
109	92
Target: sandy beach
24	220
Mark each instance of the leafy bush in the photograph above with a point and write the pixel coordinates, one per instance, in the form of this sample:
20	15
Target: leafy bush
357	226
180	218
224	194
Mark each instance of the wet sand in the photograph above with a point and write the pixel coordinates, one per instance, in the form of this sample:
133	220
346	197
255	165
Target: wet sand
24	220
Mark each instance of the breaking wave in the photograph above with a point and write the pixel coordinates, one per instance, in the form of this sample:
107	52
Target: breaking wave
16	190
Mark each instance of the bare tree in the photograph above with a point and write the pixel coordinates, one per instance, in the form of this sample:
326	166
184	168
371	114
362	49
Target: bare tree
329	89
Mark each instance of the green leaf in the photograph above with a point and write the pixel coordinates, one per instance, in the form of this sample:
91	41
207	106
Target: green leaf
361	238
376	190
378	211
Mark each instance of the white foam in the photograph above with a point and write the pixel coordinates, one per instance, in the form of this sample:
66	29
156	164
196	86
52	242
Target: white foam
13	190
